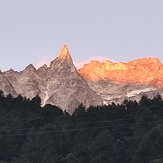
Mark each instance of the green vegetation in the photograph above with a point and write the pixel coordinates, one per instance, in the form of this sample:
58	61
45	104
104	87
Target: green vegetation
131	132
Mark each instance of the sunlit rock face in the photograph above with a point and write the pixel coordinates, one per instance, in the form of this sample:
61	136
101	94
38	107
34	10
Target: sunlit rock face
116	81
96	83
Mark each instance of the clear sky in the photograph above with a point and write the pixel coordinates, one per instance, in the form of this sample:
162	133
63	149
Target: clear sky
33	31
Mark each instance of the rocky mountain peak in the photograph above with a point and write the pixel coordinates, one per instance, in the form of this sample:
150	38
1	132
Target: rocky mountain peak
65	54
43	67
146	61
63	61
11	71
64	87
154	60
140	71
29	69
96	83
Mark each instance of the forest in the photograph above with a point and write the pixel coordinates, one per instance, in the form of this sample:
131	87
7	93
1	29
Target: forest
130	132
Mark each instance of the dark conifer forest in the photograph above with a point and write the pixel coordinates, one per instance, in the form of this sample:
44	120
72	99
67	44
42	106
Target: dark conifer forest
131	132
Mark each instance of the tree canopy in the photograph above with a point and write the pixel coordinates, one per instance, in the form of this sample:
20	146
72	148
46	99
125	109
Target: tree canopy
130	132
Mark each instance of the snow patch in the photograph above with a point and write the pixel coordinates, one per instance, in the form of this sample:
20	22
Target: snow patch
105	102
108	98
46	97
133	93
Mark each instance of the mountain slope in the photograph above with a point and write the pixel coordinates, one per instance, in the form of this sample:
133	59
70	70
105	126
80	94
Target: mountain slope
65	87
116	81
60	84
5	85
141	71
96	83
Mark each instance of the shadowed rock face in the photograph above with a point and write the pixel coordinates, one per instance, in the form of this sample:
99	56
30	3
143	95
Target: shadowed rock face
66	88
5	85
95	84
60	84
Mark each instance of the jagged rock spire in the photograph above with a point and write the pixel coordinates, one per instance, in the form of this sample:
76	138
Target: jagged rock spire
63	58
65	54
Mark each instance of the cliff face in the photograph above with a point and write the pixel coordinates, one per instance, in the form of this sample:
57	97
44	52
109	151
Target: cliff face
96	83
5	84
116	81
142	71
65	87
60	84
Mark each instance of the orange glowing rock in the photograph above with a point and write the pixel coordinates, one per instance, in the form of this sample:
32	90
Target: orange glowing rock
65	54
140	71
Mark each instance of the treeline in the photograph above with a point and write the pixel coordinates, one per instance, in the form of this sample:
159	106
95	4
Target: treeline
131	132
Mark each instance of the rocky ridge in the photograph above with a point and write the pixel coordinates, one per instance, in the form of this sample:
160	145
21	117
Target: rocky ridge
116	81
60	84
96	83
142	71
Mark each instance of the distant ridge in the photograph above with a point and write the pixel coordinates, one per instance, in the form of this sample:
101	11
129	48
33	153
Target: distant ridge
141	71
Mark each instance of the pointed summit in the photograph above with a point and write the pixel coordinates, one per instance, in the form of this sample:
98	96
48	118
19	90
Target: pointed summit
64	58
65	54
30	68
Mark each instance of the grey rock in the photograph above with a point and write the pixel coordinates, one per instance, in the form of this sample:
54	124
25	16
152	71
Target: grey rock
66	88
60	84
117	92
5	84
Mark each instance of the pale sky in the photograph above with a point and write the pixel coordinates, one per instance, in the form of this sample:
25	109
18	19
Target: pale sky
33	31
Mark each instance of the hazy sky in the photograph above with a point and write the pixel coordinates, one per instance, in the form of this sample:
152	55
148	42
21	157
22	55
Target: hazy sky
33	31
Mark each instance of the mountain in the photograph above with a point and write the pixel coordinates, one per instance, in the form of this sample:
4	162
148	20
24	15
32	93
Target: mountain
141	71
96	83
59	84
65	87
116	81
